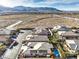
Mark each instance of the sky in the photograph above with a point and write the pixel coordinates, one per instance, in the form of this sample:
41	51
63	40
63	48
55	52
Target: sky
68	5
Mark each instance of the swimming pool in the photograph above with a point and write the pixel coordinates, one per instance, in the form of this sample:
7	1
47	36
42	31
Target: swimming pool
56	53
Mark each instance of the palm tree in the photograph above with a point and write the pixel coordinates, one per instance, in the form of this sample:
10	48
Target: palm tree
55	36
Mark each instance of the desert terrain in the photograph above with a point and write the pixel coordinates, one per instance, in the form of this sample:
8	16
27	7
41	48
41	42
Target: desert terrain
35	20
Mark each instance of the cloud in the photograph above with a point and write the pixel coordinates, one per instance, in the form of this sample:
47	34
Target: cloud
67	4
73	6
60	4
38	2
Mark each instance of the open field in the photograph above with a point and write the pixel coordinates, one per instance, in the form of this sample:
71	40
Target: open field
5	23
45	20
76	15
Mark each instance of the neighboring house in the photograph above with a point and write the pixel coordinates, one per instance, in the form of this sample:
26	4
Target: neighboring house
27	33
5	32
63	30
36	43
37	38
70	35
41	31
73	45
36	49
37	35
71	41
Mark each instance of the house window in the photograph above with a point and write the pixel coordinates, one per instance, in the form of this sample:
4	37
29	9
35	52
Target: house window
76	37
71	37
43	51
67	37
33	52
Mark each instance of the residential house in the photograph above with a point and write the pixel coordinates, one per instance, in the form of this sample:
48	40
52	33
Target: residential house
37	49
36	44
71	40
41	31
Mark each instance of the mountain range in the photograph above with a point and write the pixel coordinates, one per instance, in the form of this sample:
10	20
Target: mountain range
28	9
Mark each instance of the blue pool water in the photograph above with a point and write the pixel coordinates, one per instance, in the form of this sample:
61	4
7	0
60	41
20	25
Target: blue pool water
56	53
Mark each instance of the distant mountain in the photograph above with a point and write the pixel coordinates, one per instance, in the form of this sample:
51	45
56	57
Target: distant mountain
5	9
28	9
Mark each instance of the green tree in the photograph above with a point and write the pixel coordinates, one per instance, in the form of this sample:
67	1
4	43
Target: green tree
54	38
